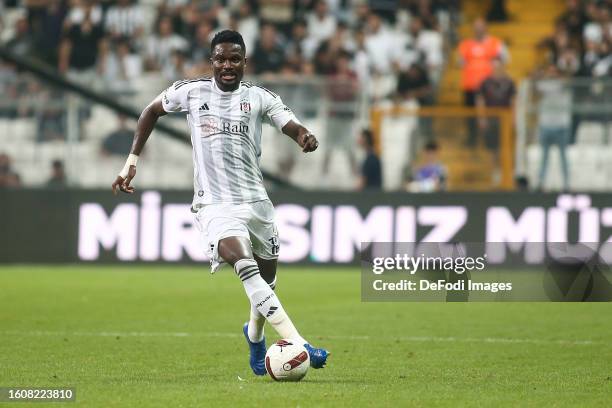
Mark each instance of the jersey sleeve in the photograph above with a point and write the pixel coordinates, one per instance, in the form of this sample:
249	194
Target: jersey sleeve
174	99
276	111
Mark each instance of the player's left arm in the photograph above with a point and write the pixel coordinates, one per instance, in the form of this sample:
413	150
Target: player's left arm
302	136
283	118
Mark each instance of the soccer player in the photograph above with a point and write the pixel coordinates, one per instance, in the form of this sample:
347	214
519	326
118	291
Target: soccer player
231	206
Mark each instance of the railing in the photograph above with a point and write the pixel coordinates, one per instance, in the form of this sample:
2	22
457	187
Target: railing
475	145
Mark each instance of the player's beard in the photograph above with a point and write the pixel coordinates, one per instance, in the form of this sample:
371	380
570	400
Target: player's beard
228	80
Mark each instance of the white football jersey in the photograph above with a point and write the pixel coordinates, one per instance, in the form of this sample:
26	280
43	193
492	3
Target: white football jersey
226	136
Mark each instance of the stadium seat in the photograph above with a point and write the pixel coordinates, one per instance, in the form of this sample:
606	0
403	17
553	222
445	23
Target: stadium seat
24	128
590	133
49	151
5	134
101	122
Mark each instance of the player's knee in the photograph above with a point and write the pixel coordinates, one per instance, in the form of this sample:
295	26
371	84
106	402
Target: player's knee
233	249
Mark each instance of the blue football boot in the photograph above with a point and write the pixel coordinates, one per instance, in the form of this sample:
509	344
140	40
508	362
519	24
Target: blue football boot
318	356
257	353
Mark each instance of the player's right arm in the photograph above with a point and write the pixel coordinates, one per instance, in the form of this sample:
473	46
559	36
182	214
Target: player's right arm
146	123
173	99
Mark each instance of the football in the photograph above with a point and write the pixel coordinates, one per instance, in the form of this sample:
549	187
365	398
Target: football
287	360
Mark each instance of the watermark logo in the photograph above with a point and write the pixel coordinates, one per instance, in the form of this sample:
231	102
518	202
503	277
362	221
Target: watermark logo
405	271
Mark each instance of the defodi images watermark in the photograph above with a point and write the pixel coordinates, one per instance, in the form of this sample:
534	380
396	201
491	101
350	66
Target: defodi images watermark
402	271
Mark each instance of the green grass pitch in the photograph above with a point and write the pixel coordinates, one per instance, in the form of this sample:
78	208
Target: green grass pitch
170	336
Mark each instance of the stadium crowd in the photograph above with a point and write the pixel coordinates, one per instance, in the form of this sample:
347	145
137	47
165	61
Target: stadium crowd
118	40
579	47
581	44
389	50
377	49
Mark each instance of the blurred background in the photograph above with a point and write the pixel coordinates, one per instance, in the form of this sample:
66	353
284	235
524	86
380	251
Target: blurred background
444	121
412	95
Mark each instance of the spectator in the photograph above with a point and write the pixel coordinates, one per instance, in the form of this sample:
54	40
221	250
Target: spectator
188	16
300	46
497	91
598	43
178	67
85	10
83	50
574	18
328	51
124	21
58	175
358	15
172	8
200	46
603	67
277	12
123	66
425	9
342	90
431	175
22	42
521	183
383	48
321	23
269	56
8	178
554	120
380	45
342	39
429	44
361	60
48	31
413	85
248	26
51	117
569	61
119	141
600	26
477	55
161	47
371	168
556	43
497	11
414	88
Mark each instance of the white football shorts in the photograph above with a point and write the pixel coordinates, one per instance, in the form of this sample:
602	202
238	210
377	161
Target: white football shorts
254	221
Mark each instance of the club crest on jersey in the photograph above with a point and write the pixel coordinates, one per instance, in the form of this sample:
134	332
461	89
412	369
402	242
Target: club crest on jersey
245	107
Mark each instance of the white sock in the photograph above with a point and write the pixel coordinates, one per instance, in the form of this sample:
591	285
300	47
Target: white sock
257	321
263	298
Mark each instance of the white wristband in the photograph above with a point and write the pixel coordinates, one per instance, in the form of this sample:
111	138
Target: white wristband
131	161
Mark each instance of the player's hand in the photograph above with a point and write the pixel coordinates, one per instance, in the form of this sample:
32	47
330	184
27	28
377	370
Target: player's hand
308	142
124	184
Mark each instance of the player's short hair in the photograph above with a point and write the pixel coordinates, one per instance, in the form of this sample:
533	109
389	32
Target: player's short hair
228	36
